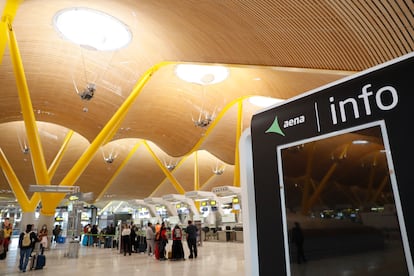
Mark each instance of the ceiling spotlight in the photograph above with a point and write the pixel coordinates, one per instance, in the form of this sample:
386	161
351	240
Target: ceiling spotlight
25	150
204	119
170	165
109	159
218	171
88	92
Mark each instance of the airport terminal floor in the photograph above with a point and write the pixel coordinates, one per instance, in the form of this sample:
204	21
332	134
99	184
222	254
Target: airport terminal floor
214	258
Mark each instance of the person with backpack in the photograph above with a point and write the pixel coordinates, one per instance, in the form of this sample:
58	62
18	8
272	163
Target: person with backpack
177	246
27	240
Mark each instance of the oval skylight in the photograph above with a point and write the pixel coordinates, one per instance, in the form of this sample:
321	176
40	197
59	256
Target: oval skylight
202	74
92	29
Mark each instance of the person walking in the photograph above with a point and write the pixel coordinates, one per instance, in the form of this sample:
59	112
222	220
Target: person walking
126	239
43	238
7	231
192	239
298	239
27	240
177	246
149	236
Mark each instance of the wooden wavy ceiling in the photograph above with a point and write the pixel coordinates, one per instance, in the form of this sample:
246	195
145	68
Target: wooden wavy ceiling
277	49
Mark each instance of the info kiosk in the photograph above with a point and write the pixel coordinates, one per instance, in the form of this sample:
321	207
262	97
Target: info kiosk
328	160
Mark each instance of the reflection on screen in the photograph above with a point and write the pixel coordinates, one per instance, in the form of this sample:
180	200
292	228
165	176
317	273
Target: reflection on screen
342	211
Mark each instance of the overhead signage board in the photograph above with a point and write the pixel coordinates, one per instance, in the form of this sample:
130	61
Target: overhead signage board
366	117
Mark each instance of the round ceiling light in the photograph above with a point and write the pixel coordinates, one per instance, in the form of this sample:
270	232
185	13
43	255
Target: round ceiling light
264	101
92	29
202	74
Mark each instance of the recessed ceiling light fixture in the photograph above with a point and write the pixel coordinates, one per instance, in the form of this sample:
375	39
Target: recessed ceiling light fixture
92	29
202	74
264	101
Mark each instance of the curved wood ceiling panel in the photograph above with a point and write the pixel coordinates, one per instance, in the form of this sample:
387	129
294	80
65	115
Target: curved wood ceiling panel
276	49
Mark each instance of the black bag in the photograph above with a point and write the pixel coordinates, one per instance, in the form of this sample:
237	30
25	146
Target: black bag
37	261
40	261
142	246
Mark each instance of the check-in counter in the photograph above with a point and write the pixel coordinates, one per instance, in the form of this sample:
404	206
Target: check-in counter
226	235
238	236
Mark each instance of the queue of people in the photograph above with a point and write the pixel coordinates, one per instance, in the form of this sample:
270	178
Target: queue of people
156	240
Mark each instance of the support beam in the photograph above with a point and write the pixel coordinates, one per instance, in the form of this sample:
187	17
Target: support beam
118	170
165	179
215	122
239	129
324	182
381	187
16	186
196	172
58	158
106	133
9	12
169	175
36	150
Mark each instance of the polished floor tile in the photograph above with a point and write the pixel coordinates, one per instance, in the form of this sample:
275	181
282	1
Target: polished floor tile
214	258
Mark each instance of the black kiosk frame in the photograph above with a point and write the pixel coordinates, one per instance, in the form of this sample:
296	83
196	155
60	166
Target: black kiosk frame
381	97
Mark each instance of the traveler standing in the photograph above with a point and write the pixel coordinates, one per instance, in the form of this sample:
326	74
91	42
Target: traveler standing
134	238
94	234
7	231
43	238
149	236
126	239
27	241
110	232
192	239
163	241
298	239
177	246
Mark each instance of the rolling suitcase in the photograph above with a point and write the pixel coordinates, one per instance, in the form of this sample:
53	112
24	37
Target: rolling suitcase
142	244
40	262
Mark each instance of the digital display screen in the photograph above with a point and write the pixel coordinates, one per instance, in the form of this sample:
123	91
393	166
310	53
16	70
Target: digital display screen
343	205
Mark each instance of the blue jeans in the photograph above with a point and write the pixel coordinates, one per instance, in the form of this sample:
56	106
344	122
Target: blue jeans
24	258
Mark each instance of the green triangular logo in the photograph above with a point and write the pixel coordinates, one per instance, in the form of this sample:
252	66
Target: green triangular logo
275	128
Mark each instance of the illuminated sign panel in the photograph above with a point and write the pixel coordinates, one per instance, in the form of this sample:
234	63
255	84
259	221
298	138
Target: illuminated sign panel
306	160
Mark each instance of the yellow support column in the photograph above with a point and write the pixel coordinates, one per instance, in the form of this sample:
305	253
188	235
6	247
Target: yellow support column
169	175
16	186
106	133
323	182
196	172
176	167
239	128
58	158
36	150
9	12
119	169
37	155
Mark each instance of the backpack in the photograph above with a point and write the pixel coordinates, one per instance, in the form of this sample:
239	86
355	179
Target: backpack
177	233
26	240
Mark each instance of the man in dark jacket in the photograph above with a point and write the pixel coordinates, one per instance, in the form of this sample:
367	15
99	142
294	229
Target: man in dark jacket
27	241
192	239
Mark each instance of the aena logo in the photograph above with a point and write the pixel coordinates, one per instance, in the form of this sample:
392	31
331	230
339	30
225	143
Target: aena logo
275	127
